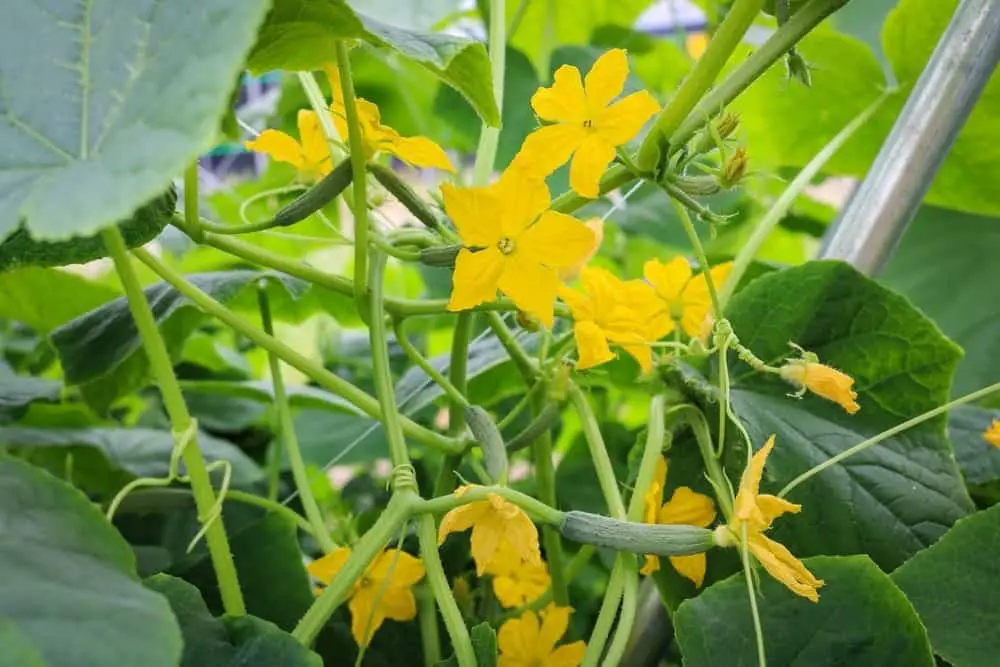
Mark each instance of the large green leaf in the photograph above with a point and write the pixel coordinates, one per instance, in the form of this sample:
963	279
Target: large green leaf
888	501
978	459
68	580
861	619
103	103
954	586
67	295
18	392
946	264
227	642
302	34
102	349
141	452
846	78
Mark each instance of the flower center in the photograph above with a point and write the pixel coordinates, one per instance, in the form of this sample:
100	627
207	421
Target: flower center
506	245
588	124
365	582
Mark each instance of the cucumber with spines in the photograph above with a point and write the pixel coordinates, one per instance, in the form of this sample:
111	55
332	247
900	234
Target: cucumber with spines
316	197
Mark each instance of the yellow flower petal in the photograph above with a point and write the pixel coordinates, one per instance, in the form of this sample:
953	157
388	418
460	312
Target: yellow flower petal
485	540
333	78
476	278
667	278
581	305
366	617
653	498
327	567
565	101
746	497
522	534
620	122
398	604
279	146
823	381
420	152
651	565
556	240
786	568
605	80
592	345
555	623
696	300
691	567
695	44
992	434
596	225
771	507
531	286
522	198
461	518
315	151
589	162
642	354
475	212
548	148
401	568
688	507
521	585
567	655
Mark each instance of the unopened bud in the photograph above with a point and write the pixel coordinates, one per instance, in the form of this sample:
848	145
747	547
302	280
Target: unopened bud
697	186
528	322
722	128
798	68
734	169
727	124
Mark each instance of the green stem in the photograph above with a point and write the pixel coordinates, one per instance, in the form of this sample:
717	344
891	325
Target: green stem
777	45
420	360
752	245
598	453
545	478
724	42
538	510
694	418
723	394
651	453
288	438
517	354
699	253
606	616
430	640
382	370
181	422
356	146
235	230
396	513
748	576
322	110
626	618
273	506
457	372
521	404
438	581
191	215
615	177
315	371
885	435
486	152
408	198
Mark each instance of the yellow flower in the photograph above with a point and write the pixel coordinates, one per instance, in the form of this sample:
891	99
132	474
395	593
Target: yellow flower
382	592
311	157
992	434
757	512
376	137
688	299
584	125
493	521
595	225
512	244
602	315
516	582
684	507
695	44
822	380
528	642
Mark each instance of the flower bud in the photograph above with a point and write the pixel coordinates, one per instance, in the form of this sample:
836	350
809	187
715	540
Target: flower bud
734	169
798	68
822	380
527	322
727	124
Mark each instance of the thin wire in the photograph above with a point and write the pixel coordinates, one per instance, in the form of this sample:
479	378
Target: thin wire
618	204
247	127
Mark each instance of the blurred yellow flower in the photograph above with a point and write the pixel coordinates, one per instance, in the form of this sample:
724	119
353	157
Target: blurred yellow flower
823	381
757	511
310	154
530	642
695	44
418	151
585	125
684	507
515	581
383	591
687	299
992	434
493	521
595	225
512	244
602	315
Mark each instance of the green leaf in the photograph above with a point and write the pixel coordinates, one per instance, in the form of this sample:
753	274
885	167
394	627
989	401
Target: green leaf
861	619
15	648
484	644
942	250
888	501
227	642
67	295
18	392
978	459
102	349
106	104
299	396
142	452
847	77
954	585
302	34
69	583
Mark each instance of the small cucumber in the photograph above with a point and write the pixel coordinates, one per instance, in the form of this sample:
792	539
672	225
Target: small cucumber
405	194
441	256
488	436
639	538
316	197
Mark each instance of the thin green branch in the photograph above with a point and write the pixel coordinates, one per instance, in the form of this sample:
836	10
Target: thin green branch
598	454
450	390
438	581
489	137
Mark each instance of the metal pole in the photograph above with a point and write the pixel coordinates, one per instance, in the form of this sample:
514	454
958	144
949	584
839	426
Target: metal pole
871	223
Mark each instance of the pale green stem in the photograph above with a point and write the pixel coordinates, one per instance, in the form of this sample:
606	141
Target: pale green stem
598	453
694	418
724	42
885	435
457	372
538	510
699	253
359	203
626	618
489	137
288	438
315	371
438	581
450	390
322	110
651	454
763	230
758	631
517	354
606	616
430	639
191	216
545	480
181	422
